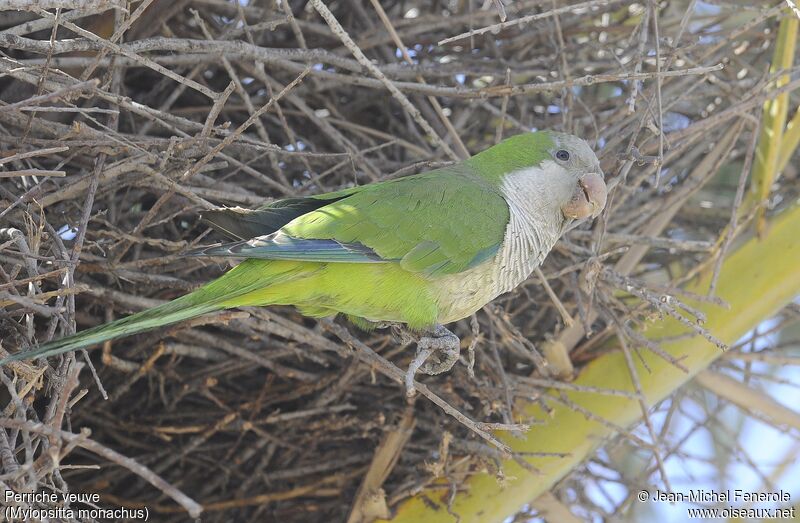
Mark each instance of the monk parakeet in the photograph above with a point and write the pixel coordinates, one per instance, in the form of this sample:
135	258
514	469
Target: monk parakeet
424	250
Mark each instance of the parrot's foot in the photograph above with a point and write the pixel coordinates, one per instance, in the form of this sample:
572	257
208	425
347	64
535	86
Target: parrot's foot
436	353
380	325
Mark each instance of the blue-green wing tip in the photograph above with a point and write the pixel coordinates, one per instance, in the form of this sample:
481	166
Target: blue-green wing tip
282	247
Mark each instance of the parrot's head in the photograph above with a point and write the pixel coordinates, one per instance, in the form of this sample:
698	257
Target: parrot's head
553	177
579	177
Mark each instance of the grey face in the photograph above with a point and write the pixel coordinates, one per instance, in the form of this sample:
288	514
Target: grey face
588	197
581	160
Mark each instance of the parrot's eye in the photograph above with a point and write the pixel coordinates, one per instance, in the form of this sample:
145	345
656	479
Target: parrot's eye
562	155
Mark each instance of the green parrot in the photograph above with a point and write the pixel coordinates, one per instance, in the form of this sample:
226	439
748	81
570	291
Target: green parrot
423	250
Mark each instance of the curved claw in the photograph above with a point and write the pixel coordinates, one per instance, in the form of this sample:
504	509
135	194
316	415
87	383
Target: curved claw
436	354
444	353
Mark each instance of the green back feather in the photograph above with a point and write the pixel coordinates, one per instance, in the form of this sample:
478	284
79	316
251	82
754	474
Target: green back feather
440	222
512	154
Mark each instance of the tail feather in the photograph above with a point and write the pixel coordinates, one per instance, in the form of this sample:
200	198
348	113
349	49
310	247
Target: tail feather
247	277
160	316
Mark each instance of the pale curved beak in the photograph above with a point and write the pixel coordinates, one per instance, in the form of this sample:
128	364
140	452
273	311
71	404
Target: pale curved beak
589	197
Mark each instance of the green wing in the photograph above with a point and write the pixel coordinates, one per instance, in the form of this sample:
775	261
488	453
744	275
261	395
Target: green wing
441	222
241	224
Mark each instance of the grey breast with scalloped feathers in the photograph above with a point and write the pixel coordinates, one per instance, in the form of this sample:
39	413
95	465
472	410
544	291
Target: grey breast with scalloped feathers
534	226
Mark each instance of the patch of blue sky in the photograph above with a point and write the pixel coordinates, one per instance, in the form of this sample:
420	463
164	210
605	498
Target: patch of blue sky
675	122
298	146
763	445
762	342
607	493
706	9
398	53
525	508
712	38
67	232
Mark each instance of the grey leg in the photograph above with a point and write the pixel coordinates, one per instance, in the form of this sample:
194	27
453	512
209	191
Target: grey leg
437	352
380	325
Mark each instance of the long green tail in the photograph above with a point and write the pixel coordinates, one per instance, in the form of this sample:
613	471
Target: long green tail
248	276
